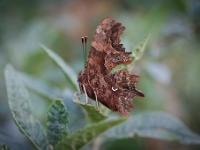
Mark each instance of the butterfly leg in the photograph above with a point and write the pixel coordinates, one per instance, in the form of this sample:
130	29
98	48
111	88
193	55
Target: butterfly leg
86	97
97	102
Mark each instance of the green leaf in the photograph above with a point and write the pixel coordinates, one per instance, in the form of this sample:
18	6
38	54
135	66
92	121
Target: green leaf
155	125
136	55
4	147
57	122
81	137
38	87
67	70
93	113
139	50
20	106
77	116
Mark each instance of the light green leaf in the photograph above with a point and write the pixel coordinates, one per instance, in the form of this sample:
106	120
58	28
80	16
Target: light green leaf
20	106
81	137
93	113
155	125
138	51
57	122
67	70
136	55
4	147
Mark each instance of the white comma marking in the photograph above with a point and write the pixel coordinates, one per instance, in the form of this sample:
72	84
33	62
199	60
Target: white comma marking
114	89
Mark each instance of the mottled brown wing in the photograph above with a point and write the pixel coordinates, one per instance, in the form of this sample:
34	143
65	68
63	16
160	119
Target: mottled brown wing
116	90
106	51
120	91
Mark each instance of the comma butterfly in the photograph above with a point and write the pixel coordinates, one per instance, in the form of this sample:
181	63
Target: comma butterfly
114	90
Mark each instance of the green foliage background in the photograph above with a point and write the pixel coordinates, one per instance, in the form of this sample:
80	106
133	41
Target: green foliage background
169	70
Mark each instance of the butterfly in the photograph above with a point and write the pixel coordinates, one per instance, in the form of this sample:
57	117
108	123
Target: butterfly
114	90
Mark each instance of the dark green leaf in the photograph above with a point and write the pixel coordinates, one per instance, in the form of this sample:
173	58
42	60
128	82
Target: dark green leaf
93	113
155	125
67	70
20	106
57	122
4	147
81	137
76	115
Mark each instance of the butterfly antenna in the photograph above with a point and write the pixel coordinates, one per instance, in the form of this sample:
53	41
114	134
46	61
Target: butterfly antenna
84	43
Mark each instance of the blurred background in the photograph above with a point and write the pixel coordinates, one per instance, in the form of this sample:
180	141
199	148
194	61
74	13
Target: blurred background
169	70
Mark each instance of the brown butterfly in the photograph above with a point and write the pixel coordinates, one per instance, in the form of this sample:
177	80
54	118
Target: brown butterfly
114	90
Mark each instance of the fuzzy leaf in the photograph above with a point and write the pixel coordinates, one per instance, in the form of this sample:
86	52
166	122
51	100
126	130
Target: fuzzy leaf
20	106
4	147
67	70
155	125
76	114
38	87
57	122
136	55
81	137
139	50
93	113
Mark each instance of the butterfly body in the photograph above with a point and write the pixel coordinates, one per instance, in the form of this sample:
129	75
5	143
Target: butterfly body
116	90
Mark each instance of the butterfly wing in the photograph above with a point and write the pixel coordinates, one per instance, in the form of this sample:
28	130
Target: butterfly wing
120	91
116	90
106	51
